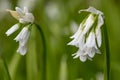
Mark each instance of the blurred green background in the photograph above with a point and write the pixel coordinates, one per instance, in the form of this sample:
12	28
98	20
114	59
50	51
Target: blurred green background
59	19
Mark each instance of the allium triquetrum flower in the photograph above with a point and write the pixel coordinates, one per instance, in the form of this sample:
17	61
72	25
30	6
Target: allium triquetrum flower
26	20
88	36
22	15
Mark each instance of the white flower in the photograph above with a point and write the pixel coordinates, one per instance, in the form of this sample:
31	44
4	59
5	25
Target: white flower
12	29
23	37
22	49
88	37
24	16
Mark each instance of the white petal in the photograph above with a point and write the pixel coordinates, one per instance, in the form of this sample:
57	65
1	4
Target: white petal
83	58
77	54
25	10
25	38
19	11
91	54
29	17
98	36
19	36
78	41
92	10
22	49
100	21
12	29
88	23
25	16
91	40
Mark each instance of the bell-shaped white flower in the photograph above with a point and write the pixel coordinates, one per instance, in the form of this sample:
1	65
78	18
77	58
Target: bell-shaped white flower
12	29
88	37
23	37
27	19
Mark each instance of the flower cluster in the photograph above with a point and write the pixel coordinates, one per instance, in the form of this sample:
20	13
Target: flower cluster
88	37
25	19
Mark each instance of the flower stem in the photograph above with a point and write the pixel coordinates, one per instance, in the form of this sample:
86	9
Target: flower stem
107	55
44	51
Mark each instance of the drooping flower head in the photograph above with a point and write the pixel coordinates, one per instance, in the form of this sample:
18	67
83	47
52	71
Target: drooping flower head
26	20
22	15
88	37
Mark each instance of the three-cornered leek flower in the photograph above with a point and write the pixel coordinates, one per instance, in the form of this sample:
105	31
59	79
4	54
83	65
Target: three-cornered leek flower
26	20
88	37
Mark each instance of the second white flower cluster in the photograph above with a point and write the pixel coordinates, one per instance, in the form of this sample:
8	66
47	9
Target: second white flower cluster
25	19
88	36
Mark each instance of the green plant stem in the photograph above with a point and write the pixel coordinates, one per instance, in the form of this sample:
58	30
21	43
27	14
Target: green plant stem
107	55
44	51
6	68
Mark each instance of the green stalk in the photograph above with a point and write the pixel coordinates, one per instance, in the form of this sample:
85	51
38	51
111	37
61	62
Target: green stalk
44	51
107	55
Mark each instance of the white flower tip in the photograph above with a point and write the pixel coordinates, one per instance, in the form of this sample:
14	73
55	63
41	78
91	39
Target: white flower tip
98	52
72	37
90	58
69	43
7	33
79	11
83	58
91	55
22	54
22	49
16	8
